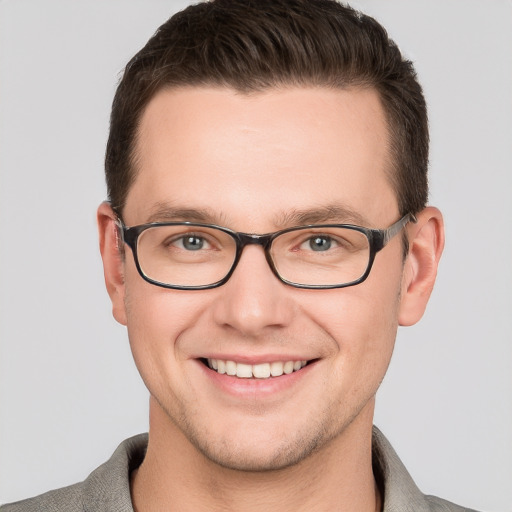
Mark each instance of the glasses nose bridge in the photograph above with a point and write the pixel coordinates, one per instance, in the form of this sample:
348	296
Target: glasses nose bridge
245	239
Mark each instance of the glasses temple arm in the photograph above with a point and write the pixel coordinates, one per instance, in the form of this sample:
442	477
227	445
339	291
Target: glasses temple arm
395	228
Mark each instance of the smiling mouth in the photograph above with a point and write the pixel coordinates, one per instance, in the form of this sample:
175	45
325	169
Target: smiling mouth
254	371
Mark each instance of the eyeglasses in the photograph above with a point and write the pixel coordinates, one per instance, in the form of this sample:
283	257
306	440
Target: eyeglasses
194	256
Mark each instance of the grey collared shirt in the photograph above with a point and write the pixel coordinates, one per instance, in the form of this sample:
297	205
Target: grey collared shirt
107	489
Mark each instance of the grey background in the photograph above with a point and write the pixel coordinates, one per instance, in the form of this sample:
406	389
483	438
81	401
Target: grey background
69	392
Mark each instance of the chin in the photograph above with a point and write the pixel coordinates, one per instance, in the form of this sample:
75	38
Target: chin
262	455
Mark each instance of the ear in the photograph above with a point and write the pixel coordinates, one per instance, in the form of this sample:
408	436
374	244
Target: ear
426	243
111	249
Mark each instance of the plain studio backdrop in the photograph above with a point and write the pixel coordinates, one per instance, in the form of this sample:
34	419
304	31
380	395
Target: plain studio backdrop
69	391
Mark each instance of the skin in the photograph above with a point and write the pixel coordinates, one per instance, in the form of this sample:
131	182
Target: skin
250	163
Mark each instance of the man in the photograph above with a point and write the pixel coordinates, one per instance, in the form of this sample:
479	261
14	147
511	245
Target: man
267	232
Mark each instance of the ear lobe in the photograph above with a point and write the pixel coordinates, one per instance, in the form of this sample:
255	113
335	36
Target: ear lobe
113	264
426	243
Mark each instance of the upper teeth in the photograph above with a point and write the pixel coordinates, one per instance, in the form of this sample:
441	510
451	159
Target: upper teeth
259	371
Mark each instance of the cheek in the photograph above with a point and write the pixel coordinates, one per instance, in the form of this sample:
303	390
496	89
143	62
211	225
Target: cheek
362	322
146	328
156	318
155	314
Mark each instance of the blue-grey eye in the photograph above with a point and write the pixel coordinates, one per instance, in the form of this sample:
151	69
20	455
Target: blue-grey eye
320	243
192	243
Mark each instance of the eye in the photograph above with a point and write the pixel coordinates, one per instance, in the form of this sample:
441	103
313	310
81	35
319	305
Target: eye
318	243
191	242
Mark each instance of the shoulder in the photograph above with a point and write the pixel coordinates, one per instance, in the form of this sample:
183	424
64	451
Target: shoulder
399	491
68	498
439	505
106	489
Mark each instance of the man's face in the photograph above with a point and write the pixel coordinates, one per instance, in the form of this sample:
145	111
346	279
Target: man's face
255	163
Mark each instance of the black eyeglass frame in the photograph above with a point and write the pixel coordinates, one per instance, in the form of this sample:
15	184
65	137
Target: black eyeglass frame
377	240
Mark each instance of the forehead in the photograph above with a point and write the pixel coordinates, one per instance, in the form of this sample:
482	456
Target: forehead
261	156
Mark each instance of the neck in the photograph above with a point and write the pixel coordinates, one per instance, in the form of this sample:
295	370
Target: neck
176	476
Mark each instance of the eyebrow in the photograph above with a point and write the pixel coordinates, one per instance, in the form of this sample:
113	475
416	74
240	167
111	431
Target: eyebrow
166	213
329	214
333	213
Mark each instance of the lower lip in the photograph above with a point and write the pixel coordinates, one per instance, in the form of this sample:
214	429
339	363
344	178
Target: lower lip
255	388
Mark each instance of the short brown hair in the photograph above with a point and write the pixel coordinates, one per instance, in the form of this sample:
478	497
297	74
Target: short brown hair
252	45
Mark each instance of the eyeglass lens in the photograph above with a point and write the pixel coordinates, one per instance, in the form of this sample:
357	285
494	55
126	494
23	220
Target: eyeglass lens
184	255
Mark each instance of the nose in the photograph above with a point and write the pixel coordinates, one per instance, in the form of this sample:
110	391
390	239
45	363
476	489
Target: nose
253	300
